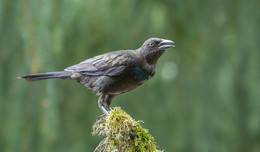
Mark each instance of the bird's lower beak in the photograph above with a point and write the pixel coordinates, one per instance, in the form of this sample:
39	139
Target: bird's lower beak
165	44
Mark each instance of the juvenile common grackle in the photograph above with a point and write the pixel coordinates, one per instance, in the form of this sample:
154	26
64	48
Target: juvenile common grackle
113	73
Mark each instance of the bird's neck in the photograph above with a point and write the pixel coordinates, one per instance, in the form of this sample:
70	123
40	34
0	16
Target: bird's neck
150	58
147	64
153	58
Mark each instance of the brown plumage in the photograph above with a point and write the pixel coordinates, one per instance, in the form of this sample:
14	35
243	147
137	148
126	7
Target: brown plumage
113	73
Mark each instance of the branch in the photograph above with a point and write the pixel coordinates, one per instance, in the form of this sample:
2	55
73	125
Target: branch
122	133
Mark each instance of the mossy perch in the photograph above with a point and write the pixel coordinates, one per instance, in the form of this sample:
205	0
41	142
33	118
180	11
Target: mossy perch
123	133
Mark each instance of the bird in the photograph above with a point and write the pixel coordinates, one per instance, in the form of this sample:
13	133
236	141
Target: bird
113	73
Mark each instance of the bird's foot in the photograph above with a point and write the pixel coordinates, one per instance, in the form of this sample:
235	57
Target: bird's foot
105	109
108	108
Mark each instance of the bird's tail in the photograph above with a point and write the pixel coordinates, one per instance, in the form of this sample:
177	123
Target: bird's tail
48	75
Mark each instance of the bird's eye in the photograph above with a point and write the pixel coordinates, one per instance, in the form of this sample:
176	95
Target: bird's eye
151	44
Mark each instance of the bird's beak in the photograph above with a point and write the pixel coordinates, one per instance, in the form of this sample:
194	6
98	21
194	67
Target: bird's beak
164	44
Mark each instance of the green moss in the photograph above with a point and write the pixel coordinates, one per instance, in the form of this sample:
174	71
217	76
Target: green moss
122	133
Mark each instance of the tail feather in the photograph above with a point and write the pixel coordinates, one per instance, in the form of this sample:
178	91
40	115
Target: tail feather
48	75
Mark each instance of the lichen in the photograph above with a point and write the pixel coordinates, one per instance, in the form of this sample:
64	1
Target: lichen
122	133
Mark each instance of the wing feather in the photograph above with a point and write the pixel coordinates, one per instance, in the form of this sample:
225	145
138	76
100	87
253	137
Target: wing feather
110	64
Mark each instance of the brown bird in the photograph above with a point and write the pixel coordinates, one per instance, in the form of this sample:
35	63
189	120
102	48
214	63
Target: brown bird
113	73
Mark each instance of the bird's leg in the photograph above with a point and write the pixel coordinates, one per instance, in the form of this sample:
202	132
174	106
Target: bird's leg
101	103
108	100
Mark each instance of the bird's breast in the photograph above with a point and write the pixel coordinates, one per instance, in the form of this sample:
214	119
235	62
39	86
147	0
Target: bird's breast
140	74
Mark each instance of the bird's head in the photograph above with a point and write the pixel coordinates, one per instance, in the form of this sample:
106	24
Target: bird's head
153	48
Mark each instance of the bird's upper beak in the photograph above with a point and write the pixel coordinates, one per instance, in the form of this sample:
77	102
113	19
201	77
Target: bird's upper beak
164	44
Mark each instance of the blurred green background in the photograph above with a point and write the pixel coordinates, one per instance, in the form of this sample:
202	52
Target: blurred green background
205	96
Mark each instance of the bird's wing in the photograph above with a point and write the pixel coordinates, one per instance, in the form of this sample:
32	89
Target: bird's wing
110	64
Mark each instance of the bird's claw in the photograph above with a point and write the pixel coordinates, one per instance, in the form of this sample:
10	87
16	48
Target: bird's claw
105	109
